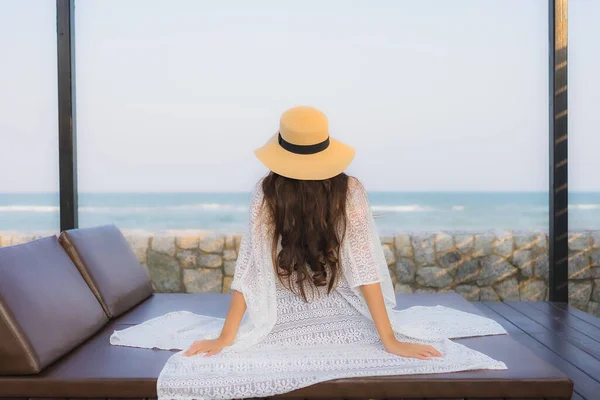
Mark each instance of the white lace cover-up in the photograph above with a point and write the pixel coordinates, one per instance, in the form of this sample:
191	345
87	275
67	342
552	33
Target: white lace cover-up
285	343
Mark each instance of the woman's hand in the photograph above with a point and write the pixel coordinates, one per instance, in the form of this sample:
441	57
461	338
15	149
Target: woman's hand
236	311
374	298
210	347
412	350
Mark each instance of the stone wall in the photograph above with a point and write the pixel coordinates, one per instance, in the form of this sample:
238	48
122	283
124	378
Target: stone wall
481	267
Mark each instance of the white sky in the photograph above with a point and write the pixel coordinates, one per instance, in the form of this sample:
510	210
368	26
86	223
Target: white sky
175	95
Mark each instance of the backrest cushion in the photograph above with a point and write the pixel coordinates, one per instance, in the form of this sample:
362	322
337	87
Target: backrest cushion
109	266
46	308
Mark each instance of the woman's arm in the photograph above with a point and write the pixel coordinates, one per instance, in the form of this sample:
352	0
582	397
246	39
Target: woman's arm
374	298
237	308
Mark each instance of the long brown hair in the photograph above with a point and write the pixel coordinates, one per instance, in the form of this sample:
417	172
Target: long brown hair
310	219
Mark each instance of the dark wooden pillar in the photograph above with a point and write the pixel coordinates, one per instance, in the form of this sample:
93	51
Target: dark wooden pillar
559	190
67	132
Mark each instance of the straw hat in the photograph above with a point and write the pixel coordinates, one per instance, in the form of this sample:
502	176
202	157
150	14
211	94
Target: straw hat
303	149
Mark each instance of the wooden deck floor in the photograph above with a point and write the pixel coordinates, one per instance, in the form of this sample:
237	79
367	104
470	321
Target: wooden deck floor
560	334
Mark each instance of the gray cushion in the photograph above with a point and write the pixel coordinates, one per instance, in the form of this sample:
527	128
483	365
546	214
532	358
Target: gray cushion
46	308
109	266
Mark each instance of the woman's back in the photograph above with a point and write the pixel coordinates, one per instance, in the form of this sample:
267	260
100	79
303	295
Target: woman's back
324	319
306	223
316	242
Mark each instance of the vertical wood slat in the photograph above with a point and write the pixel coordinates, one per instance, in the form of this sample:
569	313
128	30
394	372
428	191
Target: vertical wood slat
67	132
558	183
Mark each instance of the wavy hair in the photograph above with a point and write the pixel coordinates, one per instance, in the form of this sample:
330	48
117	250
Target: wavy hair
309	217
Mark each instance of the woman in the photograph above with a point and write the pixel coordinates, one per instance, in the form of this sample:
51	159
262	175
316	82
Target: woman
312	294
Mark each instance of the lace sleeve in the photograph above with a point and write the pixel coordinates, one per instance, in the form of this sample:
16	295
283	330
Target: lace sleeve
254	277
245	258
364	260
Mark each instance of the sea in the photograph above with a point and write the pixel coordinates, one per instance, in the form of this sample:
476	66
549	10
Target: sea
228	212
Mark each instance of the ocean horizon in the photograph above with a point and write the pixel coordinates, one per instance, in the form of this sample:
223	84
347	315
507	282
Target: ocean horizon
228	211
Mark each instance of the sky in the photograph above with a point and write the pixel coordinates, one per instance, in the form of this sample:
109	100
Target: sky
175	95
